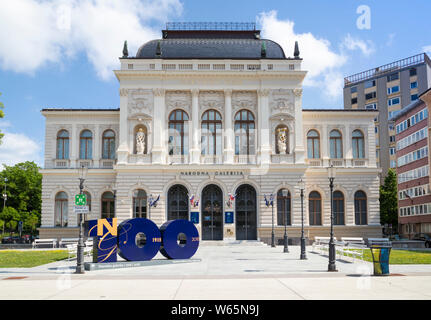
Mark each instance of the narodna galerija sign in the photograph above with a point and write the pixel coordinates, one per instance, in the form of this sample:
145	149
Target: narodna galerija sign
110	239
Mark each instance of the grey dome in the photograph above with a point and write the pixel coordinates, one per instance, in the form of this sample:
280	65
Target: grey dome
195	48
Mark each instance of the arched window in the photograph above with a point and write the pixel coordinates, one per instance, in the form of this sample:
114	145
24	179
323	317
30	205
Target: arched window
108	205
315	208
139	204
86	145
244	133
360	208
211	139
108	145
283	207
178	203
335	144
178	133
338	207
313	144
88	200
282	140
61	210
358	144
63	145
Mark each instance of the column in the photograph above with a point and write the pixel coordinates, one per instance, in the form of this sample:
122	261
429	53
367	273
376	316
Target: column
263	128
195	150
158	153
299	132
228	152
74	145
123	147
97	146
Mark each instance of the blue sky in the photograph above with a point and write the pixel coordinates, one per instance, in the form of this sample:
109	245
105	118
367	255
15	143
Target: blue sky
62	53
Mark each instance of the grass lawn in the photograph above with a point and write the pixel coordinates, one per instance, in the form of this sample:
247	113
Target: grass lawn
404	257
28	259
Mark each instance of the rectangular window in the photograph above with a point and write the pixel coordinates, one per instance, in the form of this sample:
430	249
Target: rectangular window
372	106
353	89
371	95
414	85
354	100
392	77
370	84
413	72
414	97
393	101
393	89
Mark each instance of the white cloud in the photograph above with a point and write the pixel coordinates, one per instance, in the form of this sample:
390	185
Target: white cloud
37	32
366	47
16	148
427	49
322	63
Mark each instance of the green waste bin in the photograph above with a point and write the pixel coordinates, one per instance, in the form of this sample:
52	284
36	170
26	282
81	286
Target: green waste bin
380	254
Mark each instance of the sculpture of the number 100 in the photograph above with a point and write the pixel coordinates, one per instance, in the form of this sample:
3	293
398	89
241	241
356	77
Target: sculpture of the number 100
110	240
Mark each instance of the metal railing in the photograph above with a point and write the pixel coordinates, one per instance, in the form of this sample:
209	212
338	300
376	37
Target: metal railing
387	68
222	26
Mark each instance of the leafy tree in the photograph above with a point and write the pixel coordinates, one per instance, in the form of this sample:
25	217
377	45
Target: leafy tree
1	116
389	200
11	217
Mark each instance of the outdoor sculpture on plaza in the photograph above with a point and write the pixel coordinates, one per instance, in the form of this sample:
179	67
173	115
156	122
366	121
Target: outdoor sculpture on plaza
140	141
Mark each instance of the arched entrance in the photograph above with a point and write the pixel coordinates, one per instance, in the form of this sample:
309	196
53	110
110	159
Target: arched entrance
178	203
246	215
212	213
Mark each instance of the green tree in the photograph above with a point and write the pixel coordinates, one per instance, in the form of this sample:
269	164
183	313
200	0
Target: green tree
11	217
389	200
1	116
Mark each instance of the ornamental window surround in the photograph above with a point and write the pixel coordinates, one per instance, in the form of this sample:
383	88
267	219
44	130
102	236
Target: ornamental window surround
211	138
244	133
63	145
178	133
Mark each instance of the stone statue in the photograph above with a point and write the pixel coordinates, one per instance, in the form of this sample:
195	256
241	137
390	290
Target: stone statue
140	141
282	141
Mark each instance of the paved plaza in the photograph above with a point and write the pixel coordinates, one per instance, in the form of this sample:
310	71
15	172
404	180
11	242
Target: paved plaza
249	271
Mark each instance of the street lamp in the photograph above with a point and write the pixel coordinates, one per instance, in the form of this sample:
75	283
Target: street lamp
4	199
271	203
301	185
80	252
285	193
331	265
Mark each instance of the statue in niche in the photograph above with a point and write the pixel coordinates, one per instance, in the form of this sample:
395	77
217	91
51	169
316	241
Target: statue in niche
282	140
140	141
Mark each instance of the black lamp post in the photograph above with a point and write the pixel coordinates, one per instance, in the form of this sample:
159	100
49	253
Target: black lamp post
302	188
271	203
331	265
284	192
80	252
4	199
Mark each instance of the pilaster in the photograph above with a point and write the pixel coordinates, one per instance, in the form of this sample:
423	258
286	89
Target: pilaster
159	132
228	151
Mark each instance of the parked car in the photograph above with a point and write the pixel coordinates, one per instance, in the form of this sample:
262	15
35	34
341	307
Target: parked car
423	237
14	239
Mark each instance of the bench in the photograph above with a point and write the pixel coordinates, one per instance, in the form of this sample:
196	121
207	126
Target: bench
320	243
37	242
66	241
350	247
72	249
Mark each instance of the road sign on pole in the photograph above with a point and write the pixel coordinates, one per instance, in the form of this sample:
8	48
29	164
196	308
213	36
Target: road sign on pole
80	200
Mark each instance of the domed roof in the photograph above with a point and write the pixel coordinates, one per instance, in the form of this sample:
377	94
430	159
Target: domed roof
207	44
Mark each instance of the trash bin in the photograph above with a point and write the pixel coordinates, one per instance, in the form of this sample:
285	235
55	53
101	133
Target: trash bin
380	254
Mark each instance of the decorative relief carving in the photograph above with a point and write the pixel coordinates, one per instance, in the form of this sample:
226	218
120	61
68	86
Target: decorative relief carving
159	92
244	100
141	102
178	99
124	92
282	101
263	92
297	92
211	100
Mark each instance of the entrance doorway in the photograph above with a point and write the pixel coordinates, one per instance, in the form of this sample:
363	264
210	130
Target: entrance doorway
246	215
212	213
178	204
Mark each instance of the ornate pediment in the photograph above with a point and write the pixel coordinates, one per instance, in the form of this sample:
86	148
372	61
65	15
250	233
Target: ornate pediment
211	100
244	100
141	102
282	101
178	100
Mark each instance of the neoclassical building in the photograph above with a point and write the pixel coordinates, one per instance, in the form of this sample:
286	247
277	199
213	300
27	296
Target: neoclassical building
211	122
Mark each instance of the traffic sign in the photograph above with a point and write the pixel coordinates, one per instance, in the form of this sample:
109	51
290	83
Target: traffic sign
80	199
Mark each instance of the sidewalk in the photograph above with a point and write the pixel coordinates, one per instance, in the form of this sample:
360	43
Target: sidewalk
222	272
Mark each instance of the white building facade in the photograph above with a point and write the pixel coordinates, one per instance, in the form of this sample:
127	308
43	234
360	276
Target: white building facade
211	123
